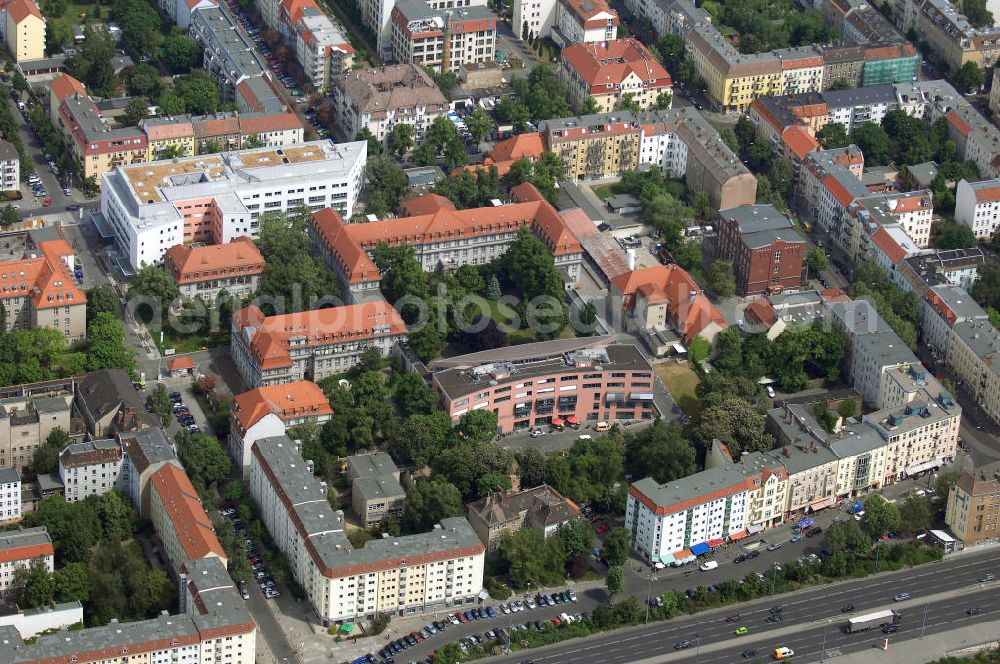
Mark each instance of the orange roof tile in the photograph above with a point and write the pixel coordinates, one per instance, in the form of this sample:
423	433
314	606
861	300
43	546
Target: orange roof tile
834	295
164	131
843	196
180	363
333	233
528	145
184	510
603	65
987	194
191	265
46	278
262	124
300	399
426	204
762	311
799	141
29	552
889	246
271	336
22	9
66	86
959	123
587	11
688	314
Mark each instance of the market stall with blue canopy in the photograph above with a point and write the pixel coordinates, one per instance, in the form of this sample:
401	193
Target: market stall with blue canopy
701	549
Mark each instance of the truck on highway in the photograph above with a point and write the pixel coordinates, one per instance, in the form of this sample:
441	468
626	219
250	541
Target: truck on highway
870	620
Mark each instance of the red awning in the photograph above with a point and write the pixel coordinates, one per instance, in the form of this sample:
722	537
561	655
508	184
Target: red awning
557	422
682	554
572	419
737	536
716	543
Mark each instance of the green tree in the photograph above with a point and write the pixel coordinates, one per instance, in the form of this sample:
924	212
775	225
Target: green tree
294	276
915	513
203	458
833	135
251	142
144	81
8	216
841	84
847	408
533	559
874	143
782	173
577	536
155	289
493	291
135	111
170	103
816	261
46	458
720	278
969	77
106	344
160	404
180	53
615	580
531	467
977	13
401	138
464	463
72	582
589	107
950	235
479	124
199	92
401	272
116	516
428	502
659	451
34	585
616	546
847	537
477	426
374	145
389	181
881	516
102	299
734	422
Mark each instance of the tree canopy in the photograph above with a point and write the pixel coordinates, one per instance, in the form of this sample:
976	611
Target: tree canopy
295	278
659	451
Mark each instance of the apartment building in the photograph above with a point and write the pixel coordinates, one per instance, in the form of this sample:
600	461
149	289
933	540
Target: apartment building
94	142
972	356
977	138
10	495
10	167
38	287
664	297
216	198
977	205
375	489
379	98
499	514
213	625
941	308
186	136
442	39
319	42
23	29
442	237
973	508
206	271
109	404
611	71
691	515
91	468
267	411
948	32
533	385
180	519
21	548
395	575
146	452
765	248
310	345
583	21
26	422
229	55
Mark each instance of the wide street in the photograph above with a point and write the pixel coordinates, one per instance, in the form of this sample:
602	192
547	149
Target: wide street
943	590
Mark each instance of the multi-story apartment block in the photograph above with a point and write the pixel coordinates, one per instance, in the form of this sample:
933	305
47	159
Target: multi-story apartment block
377	99
180	519
977	138
977	205
442	237
319	42
689	516
766	249
661	298
20	548
941	308
169	136
229	55
582	21
541	507
973	508
972	355
442	39
23	29
206	271
213	626
10	167
180	11
10	495
533	18
26	422
395	575
955	267
186	136
152	207
146	452
267	411
93	141
611	71
91	468
531	386
310	345
39	289
376	15
375	489
948	32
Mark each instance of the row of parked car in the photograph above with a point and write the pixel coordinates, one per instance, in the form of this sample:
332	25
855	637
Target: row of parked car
258	38
181	412
254	558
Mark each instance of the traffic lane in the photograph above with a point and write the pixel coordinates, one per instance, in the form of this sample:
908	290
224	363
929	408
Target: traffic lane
803	607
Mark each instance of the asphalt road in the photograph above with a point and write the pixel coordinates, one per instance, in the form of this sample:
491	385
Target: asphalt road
804	613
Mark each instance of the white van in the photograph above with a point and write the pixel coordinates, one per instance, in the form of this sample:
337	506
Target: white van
710	565
783	653
586	437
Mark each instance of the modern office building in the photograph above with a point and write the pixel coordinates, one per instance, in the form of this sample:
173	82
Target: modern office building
90	468
268	411
611	71
536	384
375	489
149	208
205	271
396	575
504	513
310	345
21	548
764	246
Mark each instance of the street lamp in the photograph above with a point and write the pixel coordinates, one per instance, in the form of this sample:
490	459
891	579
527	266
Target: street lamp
822	656
649	585
878	555
697	648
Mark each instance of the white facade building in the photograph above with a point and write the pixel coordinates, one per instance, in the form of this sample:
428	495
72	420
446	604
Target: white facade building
396	575
10	495
977	205
10	167
219	197
533	17
20	548
92	468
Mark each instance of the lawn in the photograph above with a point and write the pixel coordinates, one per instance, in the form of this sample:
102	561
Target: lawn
681	381
181	343
603	191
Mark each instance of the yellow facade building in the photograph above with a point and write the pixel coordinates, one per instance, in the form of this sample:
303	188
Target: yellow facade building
24	30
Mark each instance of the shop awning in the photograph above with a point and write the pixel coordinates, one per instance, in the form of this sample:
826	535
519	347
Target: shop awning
557	422
738	535
921	467
716	542
682	554
754	529
821	505
667	559
572	419
611	397
347	628
641	396
701	548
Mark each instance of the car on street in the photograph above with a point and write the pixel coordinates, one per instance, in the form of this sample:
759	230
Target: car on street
774	547
537	433
795	538
777	609
747	654
683	645
974	611
847	608
890	629
740	558
773	618
740	631
986	578
901	597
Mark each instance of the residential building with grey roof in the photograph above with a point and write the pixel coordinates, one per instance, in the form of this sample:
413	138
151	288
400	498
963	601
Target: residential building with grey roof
230	56
395	575
25	424
506	512
375	489
765	247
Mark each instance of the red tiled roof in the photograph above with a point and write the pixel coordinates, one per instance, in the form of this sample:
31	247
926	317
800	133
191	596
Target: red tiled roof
586	12
672	285
190	265
843	196
180	364
299	399
65	86
834	295
959	123
22	9
528	145
762	311
262	124
889	246
987	194
46	279
182	508
799	141
426	204
607	64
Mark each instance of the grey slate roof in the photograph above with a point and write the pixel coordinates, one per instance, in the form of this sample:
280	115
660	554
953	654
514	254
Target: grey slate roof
9	476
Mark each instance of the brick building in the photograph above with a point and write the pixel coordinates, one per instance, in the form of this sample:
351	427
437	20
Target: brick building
766	250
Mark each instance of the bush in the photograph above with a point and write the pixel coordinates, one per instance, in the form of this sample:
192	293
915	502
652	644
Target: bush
498	591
